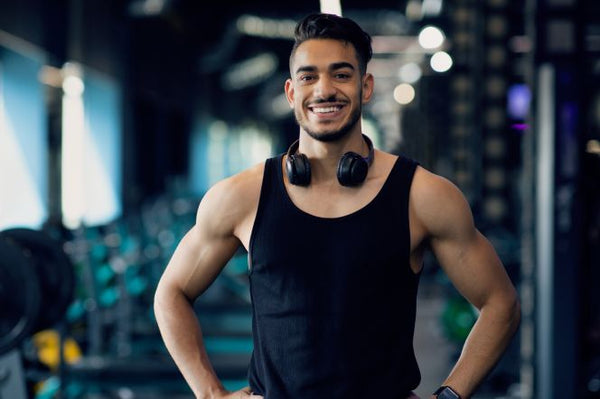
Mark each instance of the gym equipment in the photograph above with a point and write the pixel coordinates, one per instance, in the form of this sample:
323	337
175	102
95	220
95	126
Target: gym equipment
19	295
49	343
56	274
36	287
458	317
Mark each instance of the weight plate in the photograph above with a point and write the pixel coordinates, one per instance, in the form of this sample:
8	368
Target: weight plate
54	269
19	296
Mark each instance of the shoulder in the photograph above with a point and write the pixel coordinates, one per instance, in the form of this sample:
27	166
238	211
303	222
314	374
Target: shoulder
228	202
432	188
438	204
238	187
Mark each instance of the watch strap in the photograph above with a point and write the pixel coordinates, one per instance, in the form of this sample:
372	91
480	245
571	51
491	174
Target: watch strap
445	392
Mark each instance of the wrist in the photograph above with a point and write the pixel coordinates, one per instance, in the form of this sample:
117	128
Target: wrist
213	393
446	392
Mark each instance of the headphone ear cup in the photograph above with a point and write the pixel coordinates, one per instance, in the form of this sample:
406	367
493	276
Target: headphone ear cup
352	169
297	168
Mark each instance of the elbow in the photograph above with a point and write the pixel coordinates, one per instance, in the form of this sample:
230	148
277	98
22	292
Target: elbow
505	310
159	302
168	300
164	299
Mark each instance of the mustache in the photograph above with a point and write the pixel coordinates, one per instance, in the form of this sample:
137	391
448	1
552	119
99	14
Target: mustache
330	99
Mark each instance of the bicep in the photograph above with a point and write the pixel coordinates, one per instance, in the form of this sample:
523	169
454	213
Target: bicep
204	250
473	267
197	261
467	257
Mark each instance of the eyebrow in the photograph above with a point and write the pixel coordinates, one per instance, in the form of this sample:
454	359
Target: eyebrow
332	67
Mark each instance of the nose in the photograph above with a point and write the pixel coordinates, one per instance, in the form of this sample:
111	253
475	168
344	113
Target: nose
325	89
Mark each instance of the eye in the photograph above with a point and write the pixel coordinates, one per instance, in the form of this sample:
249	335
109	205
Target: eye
306	78
342	75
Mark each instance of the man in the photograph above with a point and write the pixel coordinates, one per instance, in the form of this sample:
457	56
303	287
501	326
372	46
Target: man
336	233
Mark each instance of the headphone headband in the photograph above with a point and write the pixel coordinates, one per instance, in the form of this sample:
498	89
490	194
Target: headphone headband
368	159
352	167
371	155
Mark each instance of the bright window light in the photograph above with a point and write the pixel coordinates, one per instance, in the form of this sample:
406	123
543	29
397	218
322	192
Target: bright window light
73	150
91	150
23	206
73	86
103	136
23	143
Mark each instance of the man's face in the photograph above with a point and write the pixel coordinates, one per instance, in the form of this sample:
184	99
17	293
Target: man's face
326	89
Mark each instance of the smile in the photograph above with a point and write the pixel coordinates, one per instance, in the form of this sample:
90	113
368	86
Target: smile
326	110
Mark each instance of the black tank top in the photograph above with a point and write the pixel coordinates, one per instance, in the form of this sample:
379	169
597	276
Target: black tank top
334	299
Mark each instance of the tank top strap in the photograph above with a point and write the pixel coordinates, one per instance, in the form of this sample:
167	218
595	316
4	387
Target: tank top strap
272	177
270	193
400	179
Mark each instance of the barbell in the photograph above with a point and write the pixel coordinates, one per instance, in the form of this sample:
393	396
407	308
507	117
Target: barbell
37	282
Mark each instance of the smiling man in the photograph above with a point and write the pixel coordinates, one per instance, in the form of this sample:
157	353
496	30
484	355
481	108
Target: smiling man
336	232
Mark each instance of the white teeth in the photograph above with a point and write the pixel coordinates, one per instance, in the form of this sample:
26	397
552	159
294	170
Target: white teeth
324	110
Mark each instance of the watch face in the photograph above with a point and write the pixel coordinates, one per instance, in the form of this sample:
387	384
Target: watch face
446	393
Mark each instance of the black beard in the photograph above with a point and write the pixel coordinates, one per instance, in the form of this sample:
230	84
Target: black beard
333	136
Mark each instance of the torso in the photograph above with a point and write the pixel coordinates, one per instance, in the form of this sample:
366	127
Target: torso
324	259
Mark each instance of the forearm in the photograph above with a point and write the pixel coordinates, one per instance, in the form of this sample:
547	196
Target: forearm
484	346
182	335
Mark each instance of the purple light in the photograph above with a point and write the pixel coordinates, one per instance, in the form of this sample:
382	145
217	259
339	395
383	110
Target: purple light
518	98
520	126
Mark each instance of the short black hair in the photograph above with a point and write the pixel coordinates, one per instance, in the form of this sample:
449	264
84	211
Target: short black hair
330	26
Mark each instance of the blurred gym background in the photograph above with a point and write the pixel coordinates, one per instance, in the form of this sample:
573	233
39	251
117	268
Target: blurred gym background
116	116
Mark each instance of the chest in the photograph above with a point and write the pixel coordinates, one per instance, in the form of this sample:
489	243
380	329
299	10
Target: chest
375	233
331	200
307	262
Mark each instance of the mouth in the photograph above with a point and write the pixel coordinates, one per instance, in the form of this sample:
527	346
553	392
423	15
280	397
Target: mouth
326	110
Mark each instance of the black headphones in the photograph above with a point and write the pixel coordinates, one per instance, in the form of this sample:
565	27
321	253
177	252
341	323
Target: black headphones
352	167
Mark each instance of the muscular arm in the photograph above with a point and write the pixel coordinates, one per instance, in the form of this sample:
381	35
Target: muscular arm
196	262
472	265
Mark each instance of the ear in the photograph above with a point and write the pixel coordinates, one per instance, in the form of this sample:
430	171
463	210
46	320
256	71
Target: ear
289	92
368	84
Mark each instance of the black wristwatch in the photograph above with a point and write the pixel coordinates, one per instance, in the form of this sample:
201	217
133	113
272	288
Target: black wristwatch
445	392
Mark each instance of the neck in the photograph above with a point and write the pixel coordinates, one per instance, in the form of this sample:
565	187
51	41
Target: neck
324	156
